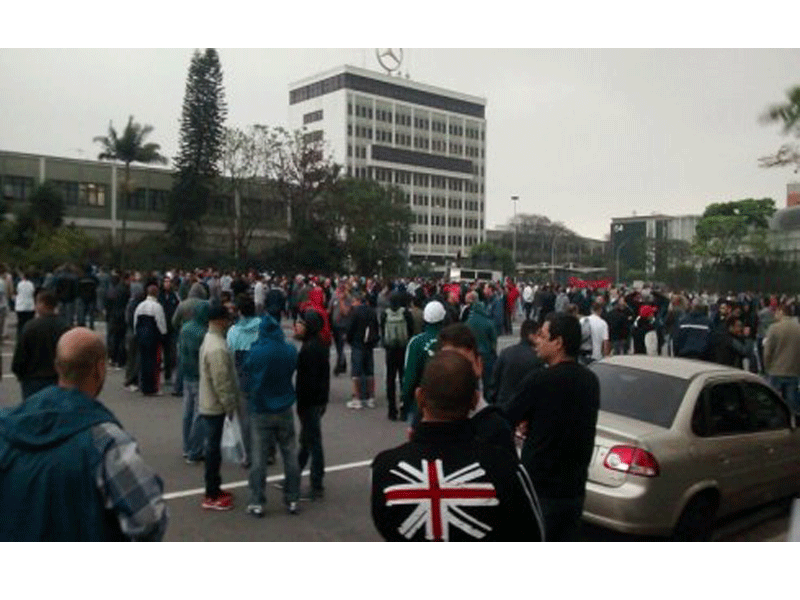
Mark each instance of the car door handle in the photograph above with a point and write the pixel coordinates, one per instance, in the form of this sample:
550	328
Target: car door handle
769	449
723	458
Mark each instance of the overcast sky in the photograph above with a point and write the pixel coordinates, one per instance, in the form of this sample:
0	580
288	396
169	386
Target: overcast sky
580	136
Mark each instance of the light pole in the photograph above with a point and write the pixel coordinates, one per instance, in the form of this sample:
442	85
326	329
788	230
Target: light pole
515	199
553	258
619	228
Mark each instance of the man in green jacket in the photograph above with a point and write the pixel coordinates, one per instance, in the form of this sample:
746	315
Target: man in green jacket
485	331
420	348
190	339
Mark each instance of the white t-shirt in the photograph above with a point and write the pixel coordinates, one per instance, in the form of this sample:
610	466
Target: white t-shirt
599	335
24	300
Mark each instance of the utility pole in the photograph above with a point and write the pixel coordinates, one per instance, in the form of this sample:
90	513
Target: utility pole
515	199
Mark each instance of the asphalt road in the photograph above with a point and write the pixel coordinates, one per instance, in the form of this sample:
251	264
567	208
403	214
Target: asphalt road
351	439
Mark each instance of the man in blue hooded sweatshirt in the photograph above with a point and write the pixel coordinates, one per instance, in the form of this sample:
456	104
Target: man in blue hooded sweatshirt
269	368
240	338
68	471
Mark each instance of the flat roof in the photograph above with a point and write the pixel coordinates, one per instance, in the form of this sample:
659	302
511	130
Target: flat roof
382	77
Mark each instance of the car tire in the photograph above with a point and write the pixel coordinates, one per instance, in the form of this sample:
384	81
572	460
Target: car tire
696	523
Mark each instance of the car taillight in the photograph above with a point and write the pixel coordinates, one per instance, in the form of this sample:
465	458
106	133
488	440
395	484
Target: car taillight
631	460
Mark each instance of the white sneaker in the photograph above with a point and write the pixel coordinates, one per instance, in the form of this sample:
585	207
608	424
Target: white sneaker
132	388
355	404
370	403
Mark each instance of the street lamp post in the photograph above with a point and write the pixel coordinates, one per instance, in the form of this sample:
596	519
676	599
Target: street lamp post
515	199
553	259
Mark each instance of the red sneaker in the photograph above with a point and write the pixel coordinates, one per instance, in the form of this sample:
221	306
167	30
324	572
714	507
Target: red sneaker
219	503
225	494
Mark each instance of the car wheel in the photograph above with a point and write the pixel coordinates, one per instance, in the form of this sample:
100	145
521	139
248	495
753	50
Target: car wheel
696	522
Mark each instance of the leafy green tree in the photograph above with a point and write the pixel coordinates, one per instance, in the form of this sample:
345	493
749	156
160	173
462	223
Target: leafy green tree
47	205
789	115
201	143
373	221
724	228
489	256
129	148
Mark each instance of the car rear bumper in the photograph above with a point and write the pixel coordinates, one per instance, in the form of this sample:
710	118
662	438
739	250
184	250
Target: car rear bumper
633	508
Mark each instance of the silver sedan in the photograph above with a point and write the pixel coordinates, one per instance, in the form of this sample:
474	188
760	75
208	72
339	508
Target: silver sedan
680	443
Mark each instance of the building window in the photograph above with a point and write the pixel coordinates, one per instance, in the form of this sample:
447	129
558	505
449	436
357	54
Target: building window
312	137
92	194
17	188
312	117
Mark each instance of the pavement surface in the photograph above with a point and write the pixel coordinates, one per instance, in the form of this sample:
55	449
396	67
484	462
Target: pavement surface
351	438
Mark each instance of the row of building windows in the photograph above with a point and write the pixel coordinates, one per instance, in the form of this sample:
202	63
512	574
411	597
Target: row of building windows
403	119
417	179
83	194
438	239
17	188
312	117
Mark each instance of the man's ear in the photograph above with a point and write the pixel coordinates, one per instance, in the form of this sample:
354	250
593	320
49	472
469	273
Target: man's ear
420	397
474	402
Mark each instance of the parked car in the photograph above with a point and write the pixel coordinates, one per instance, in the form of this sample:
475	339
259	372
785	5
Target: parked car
681	443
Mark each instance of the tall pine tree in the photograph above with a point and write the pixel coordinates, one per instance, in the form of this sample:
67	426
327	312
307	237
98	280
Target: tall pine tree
202	130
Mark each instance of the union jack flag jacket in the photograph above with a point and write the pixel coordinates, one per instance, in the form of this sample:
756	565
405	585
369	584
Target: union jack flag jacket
445	485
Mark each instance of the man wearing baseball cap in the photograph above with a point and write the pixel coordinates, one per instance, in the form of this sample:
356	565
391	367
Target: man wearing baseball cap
420	348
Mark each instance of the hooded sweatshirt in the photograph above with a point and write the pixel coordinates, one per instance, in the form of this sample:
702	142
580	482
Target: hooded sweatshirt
269	368
313	368
190	339
183	313
483	328
240	339
316	301
48	463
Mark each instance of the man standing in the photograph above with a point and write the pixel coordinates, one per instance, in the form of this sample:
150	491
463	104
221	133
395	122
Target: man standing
24	302
362	335
396	329
485	332
69	471
598	331
619	326
87	297
169	301
514	364
444	484
420	349
494	308
217	397
150	325
35	353
269	367
782	356
190	338
559	405
693	338
527	300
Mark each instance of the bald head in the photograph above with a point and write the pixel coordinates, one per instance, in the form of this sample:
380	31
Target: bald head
80	360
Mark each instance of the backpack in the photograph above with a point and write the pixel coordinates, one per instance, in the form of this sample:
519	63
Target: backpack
396	331
586	336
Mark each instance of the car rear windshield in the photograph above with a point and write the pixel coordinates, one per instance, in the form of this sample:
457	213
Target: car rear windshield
642	395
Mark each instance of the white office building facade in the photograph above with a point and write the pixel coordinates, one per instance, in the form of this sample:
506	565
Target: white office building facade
428	141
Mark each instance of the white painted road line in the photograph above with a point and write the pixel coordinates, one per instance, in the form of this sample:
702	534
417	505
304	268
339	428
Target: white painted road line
270	479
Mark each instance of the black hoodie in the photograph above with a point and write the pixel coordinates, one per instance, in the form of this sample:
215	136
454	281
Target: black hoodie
313	368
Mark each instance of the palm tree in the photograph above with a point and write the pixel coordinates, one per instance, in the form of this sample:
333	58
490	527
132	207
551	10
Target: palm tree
128	149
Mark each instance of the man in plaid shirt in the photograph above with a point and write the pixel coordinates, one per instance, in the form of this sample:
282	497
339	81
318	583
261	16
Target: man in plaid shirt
68	471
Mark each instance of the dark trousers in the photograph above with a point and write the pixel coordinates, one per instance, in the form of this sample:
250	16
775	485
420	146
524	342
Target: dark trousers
149	378
562	518
170	350
395	366
33	385
23	317
132	366
338	340
116	343
311	444
213	432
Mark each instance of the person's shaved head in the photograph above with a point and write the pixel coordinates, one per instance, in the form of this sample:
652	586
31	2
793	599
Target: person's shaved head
80	360
448	386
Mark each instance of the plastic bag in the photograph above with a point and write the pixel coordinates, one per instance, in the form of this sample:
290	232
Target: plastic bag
232	445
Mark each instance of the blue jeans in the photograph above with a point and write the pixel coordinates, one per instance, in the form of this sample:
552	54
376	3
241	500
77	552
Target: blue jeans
266	429
787	386
620	346
311	444
85	309
67	312
192	425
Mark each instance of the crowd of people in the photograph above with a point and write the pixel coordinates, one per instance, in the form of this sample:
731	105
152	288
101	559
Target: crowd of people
504	437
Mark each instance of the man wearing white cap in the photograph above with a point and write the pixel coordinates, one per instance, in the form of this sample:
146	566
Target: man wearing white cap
420	348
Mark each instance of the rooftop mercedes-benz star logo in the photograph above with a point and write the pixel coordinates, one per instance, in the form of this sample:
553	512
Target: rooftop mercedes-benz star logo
390	58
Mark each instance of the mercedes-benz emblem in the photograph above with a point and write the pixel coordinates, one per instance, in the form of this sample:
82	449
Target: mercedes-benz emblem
390	58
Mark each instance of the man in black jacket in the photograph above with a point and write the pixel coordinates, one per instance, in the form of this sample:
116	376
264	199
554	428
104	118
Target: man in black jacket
559	405
313	388
362	335
35	353
444	485
514	363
